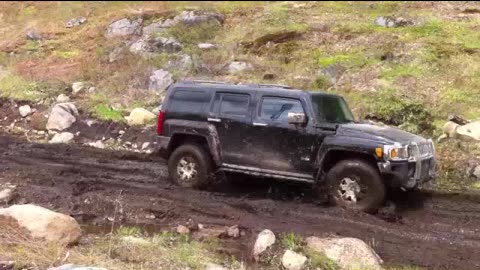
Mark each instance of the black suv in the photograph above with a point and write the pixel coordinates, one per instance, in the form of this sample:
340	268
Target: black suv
282	133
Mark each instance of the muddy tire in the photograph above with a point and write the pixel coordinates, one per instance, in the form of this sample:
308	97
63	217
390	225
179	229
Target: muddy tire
190	166
356	185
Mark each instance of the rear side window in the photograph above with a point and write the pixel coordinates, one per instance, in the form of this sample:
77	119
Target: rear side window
189	101
277	109
231	104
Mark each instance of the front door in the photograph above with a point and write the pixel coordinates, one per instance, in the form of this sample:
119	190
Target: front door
280	146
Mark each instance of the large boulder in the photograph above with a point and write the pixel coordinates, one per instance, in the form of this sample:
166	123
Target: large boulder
346	252
62	116
78	87
140	116
293	261
265	239
470	131
64	137
44	224
450	129
160	80
124	27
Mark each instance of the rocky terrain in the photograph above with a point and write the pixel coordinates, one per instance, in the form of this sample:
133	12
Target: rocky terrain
81	84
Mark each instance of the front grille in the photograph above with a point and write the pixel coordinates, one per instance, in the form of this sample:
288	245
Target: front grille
421	150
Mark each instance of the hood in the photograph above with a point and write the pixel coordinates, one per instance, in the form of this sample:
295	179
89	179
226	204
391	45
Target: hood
384	134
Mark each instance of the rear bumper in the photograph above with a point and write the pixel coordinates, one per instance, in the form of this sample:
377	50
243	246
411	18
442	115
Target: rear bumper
408	174
162	144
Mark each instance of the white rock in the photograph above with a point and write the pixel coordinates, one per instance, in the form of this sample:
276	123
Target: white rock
346	252
98	144
265	239
233	231
139	116
78	87
145	145
62	98
236	67
182	229
293	261
62	116
476	172
470	131
206	46
124	27
25	110
92	90
90	123
64	137
121	132
160	80
44	224
212	266
6	193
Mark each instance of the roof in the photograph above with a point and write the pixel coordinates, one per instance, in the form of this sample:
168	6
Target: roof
278	89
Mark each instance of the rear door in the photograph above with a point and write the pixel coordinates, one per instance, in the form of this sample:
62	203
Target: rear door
231	113
280	146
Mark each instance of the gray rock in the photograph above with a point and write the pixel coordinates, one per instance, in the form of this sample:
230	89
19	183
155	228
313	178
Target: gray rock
469	132
98	144
33	35
476	172
124	27
388	21
160	80
293	261
25	110
64	137
265	239
182	62
206	46
237	66
347	253
62	116
74	267
145	145
62	98
198	17
148	46
78	87
156	28
233	231
76	22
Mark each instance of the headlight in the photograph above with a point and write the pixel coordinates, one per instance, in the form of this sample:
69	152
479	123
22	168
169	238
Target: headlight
396	152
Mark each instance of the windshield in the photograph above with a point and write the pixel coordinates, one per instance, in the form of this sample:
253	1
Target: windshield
331	109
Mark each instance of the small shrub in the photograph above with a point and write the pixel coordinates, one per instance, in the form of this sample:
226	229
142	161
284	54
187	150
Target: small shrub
128	231
292	241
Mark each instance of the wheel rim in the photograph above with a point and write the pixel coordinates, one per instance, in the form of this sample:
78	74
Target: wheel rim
186	169
351	190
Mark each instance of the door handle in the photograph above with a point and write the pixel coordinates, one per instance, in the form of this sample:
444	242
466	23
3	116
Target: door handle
218	120
256	124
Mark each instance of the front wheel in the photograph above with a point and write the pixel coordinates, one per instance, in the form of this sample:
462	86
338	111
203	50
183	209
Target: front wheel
357	185
190	166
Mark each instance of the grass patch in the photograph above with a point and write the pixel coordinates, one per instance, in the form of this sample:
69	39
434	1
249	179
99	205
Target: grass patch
192	35
407	70
16	87
292	241
67	54
105	112
318	260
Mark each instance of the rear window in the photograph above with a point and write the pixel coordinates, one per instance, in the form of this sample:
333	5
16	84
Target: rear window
189	101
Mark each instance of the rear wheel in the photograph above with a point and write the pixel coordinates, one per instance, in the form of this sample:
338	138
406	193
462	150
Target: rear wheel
357	185
190	166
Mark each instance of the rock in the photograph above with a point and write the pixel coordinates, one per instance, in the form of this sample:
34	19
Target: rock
149	46
476	172
293	261
236	67
197	17
78	87
470	131
7	265
160	80
121	132
212	266
25	110
136	241
442	138
76	22
346	252
145	145
33	35
206	46
74	267
265	239
92	90
62	98
233	231
388	21
182	62
450	129
62	116
44	224
139	116
155	28
64	137
182	229
98	144
124	27
6	192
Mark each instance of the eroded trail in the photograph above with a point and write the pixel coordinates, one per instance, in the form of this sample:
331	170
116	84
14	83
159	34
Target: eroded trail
428	230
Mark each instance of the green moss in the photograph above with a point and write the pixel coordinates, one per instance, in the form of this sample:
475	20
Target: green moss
67	54
105	112
407	70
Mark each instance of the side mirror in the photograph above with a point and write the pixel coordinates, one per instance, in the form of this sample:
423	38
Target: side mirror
297	118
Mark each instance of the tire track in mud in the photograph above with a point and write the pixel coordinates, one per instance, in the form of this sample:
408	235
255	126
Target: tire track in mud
435	231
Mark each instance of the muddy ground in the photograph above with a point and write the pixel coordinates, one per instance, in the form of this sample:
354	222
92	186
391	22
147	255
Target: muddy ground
431	230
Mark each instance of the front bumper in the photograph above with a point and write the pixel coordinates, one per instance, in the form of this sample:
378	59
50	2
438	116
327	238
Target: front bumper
408	174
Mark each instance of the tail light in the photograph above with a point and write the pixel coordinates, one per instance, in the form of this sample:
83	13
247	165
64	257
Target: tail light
161	118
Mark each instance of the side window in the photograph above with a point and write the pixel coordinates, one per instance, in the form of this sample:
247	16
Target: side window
231	104
277	109
189	101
